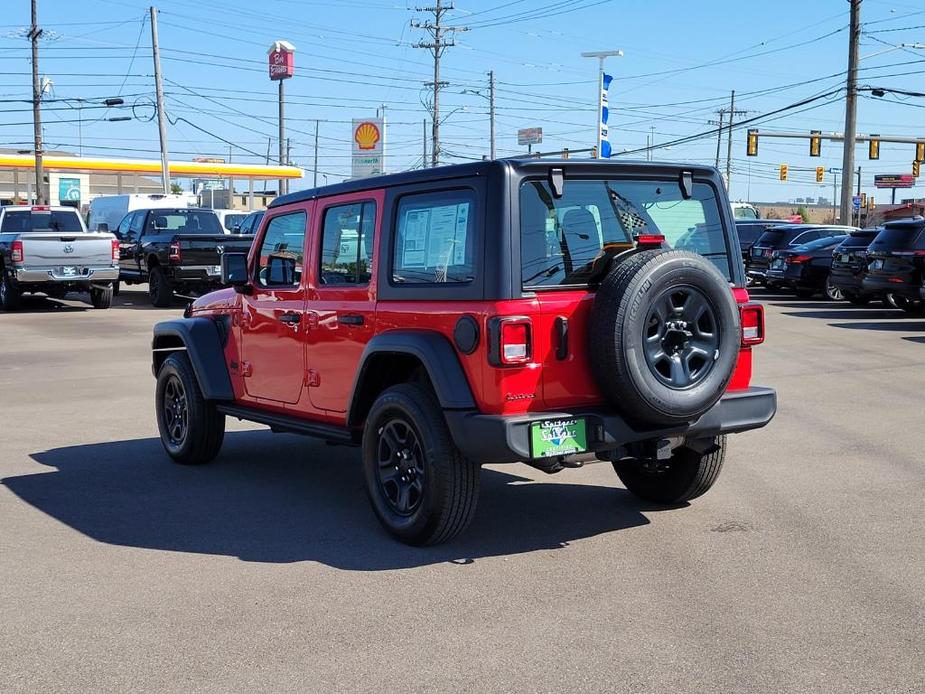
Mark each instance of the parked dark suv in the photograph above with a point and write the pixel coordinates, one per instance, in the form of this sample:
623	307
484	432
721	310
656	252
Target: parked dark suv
780	237
895	263
748	231
546	312
849	266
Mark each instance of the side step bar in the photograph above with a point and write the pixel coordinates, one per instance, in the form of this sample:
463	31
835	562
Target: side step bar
292	425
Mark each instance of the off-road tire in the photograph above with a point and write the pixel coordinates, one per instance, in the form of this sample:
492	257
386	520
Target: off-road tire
101	297
10	294
159	288
205	425
620	325
685	476
449	483
116	288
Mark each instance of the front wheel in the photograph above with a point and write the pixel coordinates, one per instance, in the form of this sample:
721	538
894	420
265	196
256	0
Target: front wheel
191	428
686	475
911	306
421	487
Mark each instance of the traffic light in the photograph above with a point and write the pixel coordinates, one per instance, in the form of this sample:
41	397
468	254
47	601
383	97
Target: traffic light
920	151
864	200
751	147
815	146
873	149
783	172
915	169
870	203
820	174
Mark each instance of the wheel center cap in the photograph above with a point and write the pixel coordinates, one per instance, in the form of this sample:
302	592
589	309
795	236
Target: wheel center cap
676	337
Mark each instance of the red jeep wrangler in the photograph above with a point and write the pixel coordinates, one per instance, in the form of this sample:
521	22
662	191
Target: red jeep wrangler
548	312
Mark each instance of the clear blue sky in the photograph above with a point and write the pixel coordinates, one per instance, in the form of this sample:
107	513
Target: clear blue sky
681	60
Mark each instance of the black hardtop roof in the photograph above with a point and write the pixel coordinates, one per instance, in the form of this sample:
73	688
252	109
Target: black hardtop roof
774	222
796	226
173	209
911	223
520	166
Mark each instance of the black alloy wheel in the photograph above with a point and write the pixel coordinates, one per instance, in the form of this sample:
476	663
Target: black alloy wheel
401	473
681	339
176	411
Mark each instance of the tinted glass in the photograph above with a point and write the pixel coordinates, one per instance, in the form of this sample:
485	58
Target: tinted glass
124	224
749	233
435	238
252	223
27	220
770	239
898	237
136	223
825	242
347	243
859	239
279	263
183	222
563	240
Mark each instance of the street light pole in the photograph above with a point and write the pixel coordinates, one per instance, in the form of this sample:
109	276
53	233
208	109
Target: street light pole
159	93
601	56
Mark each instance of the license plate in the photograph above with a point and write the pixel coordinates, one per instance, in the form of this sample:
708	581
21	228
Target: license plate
876	265
777	264
845	258
69	271
553	437
215	270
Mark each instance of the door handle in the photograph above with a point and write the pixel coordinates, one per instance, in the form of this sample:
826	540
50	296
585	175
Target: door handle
290	318
351	319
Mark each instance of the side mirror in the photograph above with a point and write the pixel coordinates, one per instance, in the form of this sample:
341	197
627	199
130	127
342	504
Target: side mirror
103	226
236	228
234	270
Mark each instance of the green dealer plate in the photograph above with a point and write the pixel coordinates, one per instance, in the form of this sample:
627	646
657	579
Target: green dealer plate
553	437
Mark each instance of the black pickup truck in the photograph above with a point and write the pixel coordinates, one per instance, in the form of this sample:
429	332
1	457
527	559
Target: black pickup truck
174	250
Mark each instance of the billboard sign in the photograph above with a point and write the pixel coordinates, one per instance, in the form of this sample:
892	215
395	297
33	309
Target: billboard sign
894	181
69	190
281	60
368	147
530	136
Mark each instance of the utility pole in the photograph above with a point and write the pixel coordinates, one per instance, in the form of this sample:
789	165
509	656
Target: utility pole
424	143
159	90
281	188
859	195
719	133
34	34
315	165
851	108
438	33
491	109
732	114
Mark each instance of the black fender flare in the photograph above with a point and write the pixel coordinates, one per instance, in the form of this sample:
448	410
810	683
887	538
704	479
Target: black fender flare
203	341
437	356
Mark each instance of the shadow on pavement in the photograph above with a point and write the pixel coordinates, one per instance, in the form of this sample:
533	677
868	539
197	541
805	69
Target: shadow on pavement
905	326
920	340
31	303
289	499
858	314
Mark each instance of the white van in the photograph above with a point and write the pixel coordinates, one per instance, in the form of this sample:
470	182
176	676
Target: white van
109	210
230	219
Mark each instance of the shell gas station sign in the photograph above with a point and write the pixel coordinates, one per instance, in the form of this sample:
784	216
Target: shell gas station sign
368	147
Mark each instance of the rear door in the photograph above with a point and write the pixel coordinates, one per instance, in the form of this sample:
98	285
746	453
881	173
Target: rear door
341	302
272	315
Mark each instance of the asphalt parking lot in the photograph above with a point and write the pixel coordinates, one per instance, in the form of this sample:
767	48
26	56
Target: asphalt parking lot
803	570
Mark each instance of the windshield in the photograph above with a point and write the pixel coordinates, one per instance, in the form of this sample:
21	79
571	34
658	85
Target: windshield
564	240
232	220
745	212
50	220
183	222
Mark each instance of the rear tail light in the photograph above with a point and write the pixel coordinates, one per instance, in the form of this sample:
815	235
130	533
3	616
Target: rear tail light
798	259
511	341
752	324
115	250
915	254
173	254
16	252
649	239
40	208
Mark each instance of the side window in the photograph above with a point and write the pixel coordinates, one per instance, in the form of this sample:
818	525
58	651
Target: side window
347	243
279	263
123	228
435	238
136	223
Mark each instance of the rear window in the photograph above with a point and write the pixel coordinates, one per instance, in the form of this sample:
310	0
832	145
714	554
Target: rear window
898	237
563	239
232	220
859	240
183	222
16	221
749	233
769	239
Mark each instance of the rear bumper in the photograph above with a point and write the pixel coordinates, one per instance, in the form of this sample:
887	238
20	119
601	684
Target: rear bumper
847	282
52	275
881	285
506	439
198	274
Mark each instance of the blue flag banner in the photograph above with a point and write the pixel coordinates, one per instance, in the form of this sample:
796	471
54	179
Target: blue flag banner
603	140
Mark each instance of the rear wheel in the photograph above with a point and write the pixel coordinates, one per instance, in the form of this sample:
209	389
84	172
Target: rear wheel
421	487
116	288
832	293
191	428
10	294
686	475
911	306
101	297
159	287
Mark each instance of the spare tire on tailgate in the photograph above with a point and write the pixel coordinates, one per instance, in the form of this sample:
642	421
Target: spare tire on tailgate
664	336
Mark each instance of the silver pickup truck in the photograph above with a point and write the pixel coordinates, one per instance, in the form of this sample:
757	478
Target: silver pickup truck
48	250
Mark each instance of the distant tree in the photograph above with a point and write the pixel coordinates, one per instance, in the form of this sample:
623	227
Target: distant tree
176	188
804	214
